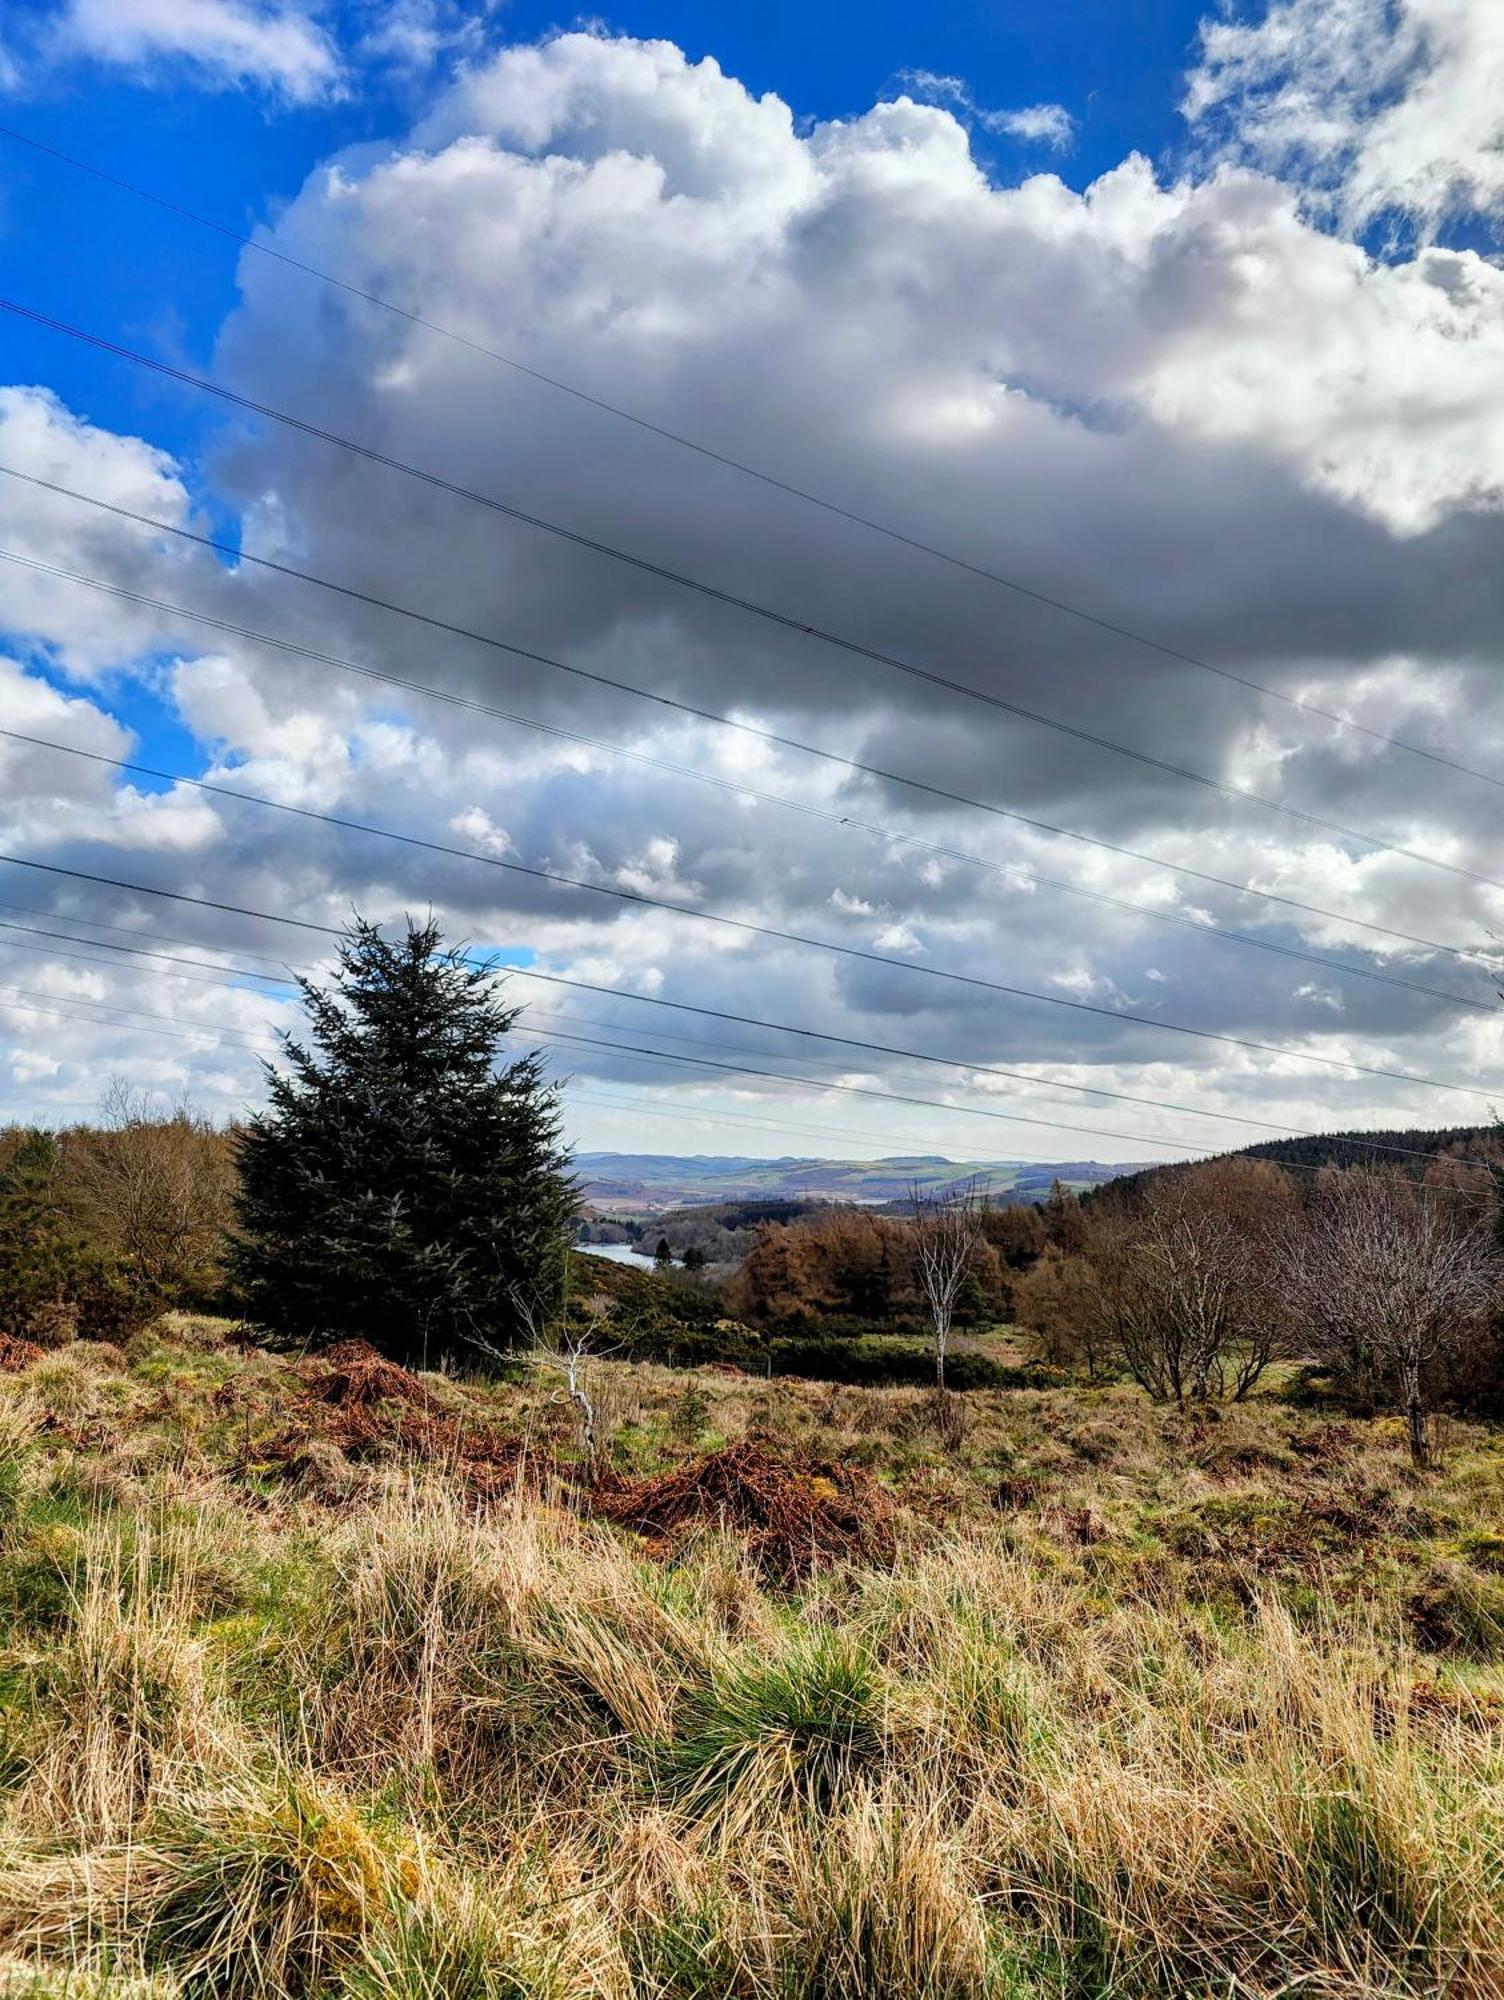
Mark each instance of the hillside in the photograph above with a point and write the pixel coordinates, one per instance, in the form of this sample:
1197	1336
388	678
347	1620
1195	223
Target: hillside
325	1681
1413	1146
637	1182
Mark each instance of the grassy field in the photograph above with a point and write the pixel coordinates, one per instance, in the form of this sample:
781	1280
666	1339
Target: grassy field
318	1680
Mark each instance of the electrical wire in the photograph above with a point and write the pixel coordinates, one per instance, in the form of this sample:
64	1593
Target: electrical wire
744	925
1039	1083
808	1082
831	816
970	1070
783	620
727	460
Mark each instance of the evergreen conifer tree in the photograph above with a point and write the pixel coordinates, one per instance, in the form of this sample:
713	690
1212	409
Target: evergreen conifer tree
403	1185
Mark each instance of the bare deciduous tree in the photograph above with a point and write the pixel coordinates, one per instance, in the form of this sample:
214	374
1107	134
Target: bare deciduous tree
947	1234
154	1185
1060	1300
1390	1278
1183	1280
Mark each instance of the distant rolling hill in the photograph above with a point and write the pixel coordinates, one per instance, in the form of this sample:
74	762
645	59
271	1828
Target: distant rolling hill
629	1183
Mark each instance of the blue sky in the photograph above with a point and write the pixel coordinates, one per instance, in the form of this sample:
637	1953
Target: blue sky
103	259
1231	380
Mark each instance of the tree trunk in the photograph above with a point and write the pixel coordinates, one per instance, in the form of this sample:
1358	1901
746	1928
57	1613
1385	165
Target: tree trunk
1415	1422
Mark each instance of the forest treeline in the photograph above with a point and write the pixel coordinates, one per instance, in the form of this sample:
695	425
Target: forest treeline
1193	1281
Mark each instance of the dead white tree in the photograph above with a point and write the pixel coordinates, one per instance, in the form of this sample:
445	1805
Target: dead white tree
578	1345
1390	1277
571	1342
947	1232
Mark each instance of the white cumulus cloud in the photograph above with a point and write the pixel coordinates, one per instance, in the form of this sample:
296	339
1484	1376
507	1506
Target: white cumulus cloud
1383	107
223	43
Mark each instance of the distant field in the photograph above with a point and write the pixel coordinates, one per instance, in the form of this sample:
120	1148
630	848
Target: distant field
324	1681
639	1183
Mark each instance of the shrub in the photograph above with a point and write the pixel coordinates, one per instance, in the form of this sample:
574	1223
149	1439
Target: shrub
54	1286
1457	1611
269	1895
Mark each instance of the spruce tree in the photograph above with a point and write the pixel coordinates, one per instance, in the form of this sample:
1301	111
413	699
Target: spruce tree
404	1185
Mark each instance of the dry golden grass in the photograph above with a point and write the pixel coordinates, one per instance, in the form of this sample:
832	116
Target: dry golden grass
1146	1705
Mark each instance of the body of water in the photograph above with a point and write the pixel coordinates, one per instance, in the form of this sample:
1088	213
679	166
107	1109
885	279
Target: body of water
619	1253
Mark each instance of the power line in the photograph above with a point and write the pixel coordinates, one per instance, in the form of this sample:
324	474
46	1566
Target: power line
1374	1145
183	1032
629	1051
719	1117
207	977
785	621
768	736
626	1050
124	930
742	925
184	1029
808	1082
1135	1138
970	1070
867	1047
771	480
831	816
170	895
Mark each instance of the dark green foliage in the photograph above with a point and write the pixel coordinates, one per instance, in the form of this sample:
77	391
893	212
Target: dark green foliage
689	1415
403	1187
35	1252
53	1284
1421	1146
878	1361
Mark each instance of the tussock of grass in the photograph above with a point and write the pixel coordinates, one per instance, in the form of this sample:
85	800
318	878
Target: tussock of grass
406	1742
794	1730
